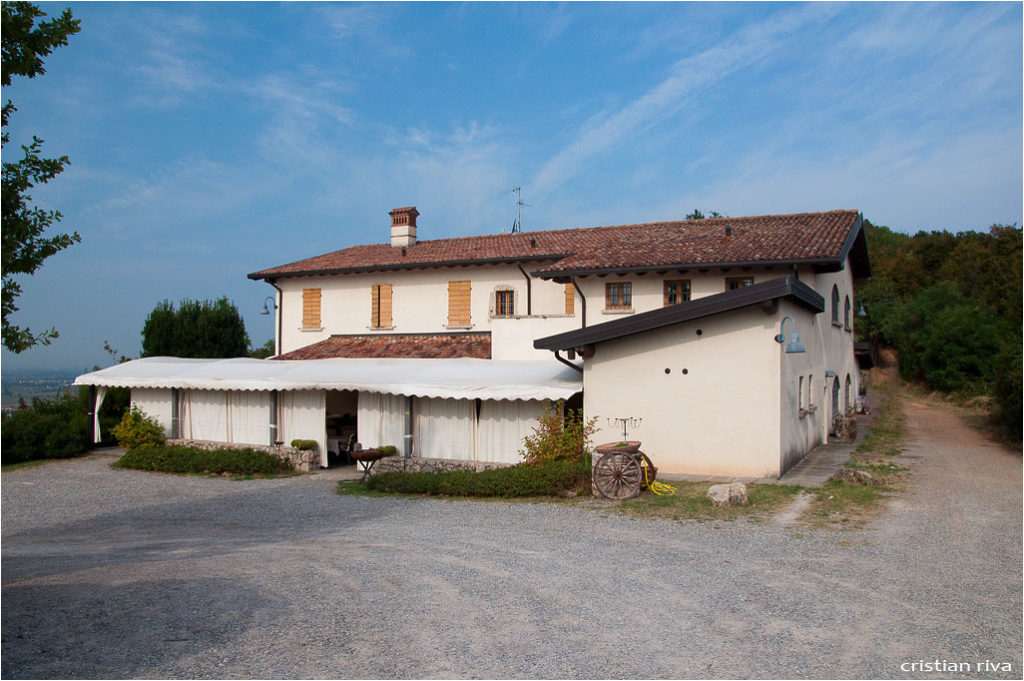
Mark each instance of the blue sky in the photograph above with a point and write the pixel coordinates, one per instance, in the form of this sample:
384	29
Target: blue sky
211	140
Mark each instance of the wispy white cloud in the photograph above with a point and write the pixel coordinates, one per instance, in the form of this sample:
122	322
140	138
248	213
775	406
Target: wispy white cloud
749	46
346	19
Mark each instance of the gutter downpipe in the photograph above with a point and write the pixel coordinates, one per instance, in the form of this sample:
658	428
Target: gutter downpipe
280	312
567	363
529	290
583	299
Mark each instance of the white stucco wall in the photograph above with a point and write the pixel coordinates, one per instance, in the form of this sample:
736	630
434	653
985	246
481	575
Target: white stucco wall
829	349
721	417
513	338
648	288
419	302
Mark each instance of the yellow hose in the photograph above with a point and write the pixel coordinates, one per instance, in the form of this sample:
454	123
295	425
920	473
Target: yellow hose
659	488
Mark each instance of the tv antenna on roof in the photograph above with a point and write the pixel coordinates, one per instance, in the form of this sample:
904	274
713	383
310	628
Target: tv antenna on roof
517	226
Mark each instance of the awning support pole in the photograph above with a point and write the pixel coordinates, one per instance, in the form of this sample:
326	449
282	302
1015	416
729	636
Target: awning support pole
92	417
273	416
408	427
175	413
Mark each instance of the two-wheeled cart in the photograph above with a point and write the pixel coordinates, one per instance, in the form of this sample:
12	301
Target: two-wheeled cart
622	470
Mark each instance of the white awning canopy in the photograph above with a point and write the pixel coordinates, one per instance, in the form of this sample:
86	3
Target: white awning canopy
449	378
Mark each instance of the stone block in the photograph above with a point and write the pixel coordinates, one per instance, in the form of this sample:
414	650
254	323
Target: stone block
734	493
853	476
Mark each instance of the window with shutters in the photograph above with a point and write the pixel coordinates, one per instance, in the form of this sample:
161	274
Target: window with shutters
570	299
458	303
677	291
311	308
380	306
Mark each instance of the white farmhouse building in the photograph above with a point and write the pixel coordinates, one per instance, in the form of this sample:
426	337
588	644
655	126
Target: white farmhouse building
444	348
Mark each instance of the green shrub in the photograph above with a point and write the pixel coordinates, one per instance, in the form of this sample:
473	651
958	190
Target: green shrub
555	438
138	428
549	478
1007	406
181	459
304	445
49	429
389	450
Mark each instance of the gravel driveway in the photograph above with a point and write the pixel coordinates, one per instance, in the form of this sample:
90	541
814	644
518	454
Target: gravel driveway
126	574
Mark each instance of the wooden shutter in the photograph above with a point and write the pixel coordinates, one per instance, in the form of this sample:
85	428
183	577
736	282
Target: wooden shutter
311	308
458	303
570	299
380	306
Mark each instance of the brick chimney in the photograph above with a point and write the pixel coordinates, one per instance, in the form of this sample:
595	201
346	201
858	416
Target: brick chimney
403	226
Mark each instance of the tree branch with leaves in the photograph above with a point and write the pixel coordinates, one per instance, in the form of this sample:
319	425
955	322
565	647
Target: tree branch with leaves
25	241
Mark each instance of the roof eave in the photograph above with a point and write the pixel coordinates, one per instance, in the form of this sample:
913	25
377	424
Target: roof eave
267	274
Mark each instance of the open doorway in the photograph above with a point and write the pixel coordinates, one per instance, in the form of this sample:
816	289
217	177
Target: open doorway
341	410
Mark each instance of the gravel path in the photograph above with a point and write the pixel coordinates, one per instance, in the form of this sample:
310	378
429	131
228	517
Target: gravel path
121	574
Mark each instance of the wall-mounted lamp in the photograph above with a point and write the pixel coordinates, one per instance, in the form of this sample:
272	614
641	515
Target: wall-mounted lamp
795	346
266	310
830	374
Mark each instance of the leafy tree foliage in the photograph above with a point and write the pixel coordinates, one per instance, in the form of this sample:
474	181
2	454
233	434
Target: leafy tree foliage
195	329
948	340
51	429
25	245
950	304
264	351
697	215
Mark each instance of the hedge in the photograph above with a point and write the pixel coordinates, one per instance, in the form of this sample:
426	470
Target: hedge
523	480
181	459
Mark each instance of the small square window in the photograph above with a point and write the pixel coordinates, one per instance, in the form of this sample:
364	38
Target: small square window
733	283
677	291
504	303
618	295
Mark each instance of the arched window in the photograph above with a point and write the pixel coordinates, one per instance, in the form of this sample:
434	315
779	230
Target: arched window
835	304
846	313
849	394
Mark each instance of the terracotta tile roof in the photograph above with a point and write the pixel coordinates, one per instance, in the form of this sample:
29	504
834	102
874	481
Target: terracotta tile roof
814	237
415	346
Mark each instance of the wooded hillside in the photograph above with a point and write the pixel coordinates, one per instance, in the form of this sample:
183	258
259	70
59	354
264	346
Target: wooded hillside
950	304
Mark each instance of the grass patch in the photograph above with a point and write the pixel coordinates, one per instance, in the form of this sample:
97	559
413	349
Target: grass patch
690	502
843	504
553	478
353	488
191	460
7	468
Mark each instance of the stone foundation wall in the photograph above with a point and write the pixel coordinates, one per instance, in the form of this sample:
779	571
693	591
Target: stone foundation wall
302	460
422	465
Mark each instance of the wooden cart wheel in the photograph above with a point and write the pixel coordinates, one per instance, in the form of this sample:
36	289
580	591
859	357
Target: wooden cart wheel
618	476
